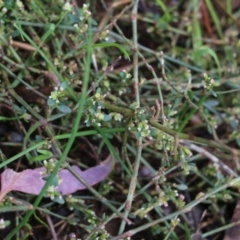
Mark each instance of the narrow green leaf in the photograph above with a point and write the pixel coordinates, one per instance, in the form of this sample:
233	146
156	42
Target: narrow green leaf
39	158
215	17
104	45
45	152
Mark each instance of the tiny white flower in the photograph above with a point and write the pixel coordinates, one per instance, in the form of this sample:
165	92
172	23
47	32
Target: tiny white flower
88	13
2	224
67	7
75	26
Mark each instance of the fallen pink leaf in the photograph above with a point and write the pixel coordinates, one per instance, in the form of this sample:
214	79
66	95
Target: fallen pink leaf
92	176
31	182
27	181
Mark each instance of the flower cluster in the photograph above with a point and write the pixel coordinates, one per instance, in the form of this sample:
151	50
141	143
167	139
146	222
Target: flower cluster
106	187
104	35
117	116
54	99
212	121
81	29
175	222
91	217
26	117
56	94
86	14
67	7
82	26
20	5
101	234
52	192
207	82
50	165
95	115
125	75
6	201
139	124
179	200
143	211
163	199
72	202
164	141
143	128
168	192
184	154
79	23
126	80
160	177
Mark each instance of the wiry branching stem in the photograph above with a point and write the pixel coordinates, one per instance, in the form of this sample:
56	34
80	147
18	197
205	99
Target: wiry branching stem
133	182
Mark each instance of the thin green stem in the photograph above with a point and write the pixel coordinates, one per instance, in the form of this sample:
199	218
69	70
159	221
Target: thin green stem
133	182
16	208
220	229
